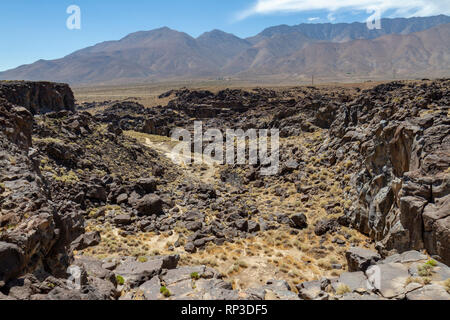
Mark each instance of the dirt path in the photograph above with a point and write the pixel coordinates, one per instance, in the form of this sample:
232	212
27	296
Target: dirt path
205	172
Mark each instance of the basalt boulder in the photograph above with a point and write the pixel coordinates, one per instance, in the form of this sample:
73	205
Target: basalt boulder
149	204
38	97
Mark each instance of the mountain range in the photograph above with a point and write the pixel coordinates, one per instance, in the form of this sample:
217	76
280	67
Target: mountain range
413	47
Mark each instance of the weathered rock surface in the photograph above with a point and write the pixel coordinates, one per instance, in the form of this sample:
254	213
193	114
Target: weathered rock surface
38	97
395	277
429	292
35	231
86	240
403	153
12	261
359	259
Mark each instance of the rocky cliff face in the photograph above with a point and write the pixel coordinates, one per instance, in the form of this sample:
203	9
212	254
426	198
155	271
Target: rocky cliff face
34	231
38	97
400	134
43	203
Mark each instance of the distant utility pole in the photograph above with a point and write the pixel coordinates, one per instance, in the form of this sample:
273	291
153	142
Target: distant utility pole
312	80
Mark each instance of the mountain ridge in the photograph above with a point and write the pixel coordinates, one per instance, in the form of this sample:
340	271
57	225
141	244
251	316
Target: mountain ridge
293	51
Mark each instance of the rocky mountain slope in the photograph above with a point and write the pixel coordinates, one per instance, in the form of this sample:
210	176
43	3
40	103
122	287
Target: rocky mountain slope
358	210
415	47
416	54
344	32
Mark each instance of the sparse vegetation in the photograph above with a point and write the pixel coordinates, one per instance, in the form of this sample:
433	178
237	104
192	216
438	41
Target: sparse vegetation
69	178
195	276
165	292
142	259
343	289
432	263
418	280
425	270
447	285
120	280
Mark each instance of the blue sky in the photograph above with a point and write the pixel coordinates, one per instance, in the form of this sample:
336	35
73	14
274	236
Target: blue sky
36	29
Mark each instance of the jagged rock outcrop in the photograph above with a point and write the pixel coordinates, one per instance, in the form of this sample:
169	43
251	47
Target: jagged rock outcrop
400	134
130	115
34	232
38	97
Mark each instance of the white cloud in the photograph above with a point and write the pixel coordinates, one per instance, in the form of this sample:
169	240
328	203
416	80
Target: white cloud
405	8
313	19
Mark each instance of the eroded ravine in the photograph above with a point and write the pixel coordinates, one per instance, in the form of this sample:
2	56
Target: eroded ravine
106	187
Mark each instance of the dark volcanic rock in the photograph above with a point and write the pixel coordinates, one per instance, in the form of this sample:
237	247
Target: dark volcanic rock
11	262
41	229
253	226
149	205
241	224
122	219
325	225
38	97
86	240
300	221
401	174
148	185
97	193
190	247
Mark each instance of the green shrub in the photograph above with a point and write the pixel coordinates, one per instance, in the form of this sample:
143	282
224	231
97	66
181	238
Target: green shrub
431	263
425	270
120	280
165	292
142	259
195	276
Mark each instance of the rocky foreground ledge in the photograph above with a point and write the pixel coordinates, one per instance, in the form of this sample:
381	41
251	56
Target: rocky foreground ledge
407	276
